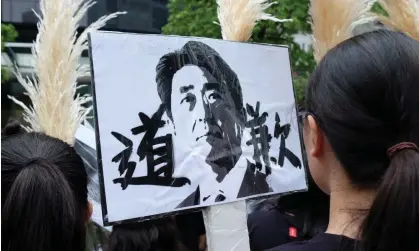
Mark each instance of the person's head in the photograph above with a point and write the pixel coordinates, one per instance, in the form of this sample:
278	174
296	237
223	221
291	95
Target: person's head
203	99
43	193
363	99
152	235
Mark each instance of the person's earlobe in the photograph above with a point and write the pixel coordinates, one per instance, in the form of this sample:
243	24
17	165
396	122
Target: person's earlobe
316	137
89	212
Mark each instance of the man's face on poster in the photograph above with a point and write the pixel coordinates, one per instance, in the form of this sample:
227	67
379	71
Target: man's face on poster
204	112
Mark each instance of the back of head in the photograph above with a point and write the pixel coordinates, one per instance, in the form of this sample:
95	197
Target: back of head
364	96
152	235
43	193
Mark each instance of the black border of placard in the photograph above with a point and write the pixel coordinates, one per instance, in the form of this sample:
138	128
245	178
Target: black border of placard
106	222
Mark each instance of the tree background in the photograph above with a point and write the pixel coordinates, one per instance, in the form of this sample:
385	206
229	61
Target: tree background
377	8
196	18
8	34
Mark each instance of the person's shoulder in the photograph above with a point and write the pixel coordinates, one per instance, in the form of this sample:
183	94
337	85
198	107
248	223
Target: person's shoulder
266	214
271	228
261	214
267	219
322	242
293	246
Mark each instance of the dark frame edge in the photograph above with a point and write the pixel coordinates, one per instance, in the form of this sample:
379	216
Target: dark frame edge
98	145
300	133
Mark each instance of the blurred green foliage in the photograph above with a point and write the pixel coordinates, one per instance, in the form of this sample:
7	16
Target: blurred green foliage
300	83
8	34
197	17
377	8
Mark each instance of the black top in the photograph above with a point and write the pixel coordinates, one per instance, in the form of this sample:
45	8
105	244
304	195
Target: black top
268	229
322	242
191	226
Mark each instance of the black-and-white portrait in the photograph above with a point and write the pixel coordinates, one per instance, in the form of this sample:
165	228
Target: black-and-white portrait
186	123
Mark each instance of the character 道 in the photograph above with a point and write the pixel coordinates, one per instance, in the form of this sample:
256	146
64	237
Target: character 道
158	151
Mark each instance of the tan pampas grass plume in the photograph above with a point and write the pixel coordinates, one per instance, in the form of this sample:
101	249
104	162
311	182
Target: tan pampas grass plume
238	17
403	15
332	22
55	108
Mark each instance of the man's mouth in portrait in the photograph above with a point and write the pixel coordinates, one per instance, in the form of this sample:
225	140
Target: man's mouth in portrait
223	155
222	161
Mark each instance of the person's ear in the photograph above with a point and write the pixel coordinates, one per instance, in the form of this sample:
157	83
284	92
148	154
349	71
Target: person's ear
89	212
315	137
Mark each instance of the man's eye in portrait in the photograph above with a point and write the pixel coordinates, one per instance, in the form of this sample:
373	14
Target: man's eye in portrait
212	96
191	99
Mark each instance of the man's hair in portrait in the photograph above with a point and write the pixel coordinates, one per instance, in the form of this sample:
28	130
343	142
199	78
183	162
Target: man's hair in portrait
201	55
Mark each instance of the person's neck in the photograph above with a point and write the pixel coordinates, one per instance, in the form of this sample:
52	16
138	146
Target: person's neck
348	208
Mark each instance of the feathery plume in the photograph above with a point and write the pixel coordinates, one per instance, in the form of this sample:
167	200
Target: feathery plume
238	17
56	110
332	22
403	16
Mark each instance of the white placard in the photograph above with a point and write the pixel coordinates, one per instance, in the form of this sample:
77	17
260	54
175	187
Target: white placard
191	122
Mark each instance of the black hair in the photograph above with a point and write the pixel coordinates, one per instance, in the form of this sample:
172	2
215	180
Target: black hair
153	235
201	55
43	193
364	94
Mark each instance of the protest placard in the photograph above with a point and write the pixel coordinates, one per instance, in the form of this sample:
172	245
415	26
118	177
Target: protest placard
184	123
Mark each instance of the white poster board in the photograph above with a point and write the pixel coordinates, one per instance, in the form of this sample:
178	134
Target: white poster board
186	122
